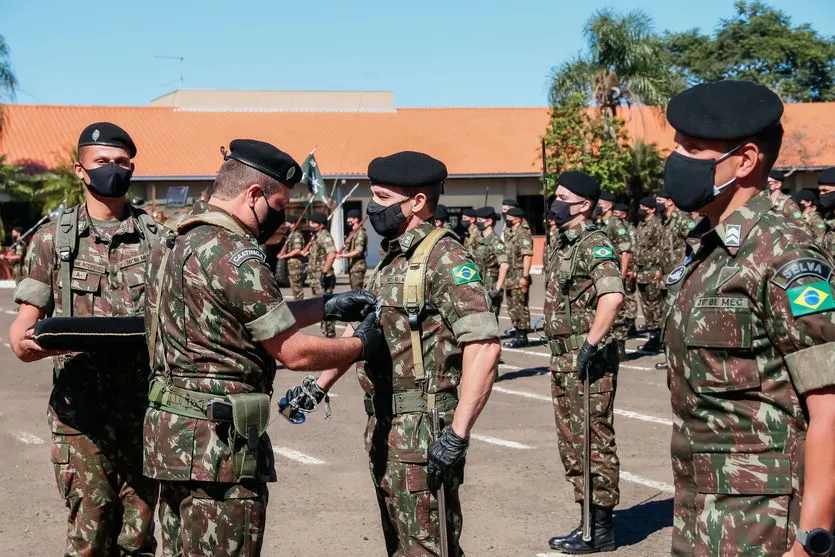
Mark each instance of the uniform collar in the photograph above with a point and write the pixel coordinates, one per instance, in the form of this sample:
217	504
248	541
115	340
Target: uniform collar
128	226
735	229
409	240
214	215
573	233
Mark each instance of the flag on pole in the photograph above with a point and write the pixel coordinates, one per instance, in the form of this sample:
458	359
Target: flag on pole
312	178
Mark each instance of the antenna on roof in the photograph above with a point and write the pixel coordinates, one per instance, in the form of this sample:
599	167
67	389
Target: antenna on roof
180	58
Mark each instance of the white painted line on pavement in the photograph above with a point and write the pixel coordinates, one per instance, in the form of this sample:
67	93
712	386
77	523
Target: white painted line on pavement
28	438
660	486
293	454
11	312
7	284
500	442
548	355
618	411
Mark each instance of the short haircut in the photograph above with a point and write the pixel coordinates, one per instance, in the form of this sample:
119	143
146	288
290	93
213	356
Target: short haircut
769	142
433	196
234	177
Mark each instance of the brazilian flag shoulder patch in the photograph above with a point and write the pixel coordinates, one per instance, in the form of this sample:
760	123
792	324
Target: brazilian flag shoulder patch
602	252
811	298
467	272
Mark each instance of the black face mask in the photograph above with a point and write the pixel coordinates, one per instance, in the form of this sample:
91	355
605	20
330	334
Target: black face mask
481	226
272	222
507	220
561	211
691	182
386	221
828	201
110	180
642	214
596	213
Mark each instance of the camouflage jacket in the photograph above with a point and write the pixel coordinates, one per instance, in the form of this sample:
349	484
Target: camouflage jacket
473	239
489	256
647	253
295	241
93	389
583	268
457	311
217	302
816	226
748	330
786	206
618	234
828	243
519	246
322	245
673	240
359	242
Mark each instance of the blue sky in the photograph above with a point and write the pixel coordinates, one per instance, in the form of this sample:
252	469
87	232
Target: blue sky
430	53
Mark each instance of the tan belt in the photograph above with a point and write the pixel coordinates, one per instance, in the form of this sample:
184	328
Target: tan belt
566	344
411	401
182	402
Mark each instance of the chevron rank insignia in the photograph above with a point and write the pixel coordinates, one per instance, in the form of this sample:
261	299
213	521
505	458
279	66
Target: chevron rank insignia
810	298
733	233
462	274
602	252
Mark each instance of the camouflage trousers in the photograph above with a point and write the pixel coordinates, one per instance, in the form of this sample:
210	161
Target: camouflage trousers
517	308
356	274
409	511
209	519
708	524
567	396
652	303
328	327
111	504
295	272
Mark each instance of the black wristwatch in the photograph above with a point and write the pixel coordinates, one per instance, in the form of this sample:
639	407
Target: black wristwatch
817	541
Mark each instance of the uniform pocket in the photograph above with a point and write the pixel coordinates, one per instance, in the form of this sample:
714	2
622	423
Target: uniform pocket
743	474
65	472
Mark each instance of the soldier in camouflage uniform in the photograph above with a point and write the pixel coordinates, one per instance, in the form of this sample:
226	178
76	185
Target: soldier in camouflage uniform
460	347
356	246
216	323
630	300
293	255
491	258
583	295
15	255
618	235
473	235
749	331
517	285
442	218
782	201
320	263
649	259
97	402
807	200
826	186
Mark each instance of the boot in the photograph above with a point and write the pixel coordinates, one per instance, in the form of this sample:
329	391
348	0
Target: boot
661	365
510	332
622	350
602	535
653	344
520	340
578	531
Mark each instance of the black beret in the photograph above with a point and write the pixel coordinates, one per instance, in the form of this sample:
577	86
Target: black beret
407	169
621	207
778	175
580	183
292	219
353	214
265	158
516	212
608	196
648	201
510	202
469	213
441	213
827	177
319	218
105	133
724	110
485	213
806	195
18	229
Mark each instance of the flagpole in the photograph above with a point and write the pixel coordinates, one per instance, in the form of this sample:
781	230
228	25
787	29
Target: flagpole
344	199
296	224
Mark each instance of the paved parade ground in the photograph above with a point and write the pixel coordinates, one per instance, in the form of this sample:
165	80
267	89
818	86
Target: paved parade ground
514	495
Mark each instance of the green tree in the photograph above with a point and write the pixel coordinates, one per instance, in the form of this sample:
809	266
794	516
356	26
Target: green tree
646	171
8	81
14	182
578	139
760	44
60	185
624	65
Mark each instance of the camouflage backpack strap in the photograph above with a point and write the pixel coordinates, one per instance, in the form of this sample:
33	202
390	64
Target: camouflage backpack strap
414	288
154	335
66	245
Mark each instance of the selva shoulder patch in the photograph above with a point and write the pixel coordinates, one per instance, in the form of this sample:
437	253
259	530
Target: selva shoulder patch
799	268
245	254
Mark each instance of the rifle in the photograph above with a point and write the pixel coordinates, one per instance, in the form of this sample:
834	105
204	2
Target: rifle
351	236
293	229
586	459
440	495
52	215
344	199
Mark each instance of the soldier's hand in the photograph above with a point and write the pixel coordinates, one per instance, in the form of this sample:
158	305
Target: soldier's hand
322	281
587	352
307	396
370	334
523	284
444	453
349	306
495	297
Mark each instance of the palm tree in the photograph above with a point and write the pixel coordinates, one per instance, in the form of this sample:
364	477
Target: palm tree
624	65
8	81
647	171
60	185
14	182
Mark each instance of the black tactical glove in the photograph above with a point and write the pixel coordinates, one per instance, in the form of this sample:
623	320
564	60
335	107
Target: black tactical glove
349	306
495	297
370	334
444	453
307	396
587	352
322	282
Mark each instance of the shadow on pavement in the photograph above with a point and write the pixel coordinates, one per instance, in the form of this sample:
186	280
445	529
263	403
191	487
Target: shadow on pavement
635	524
528	372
